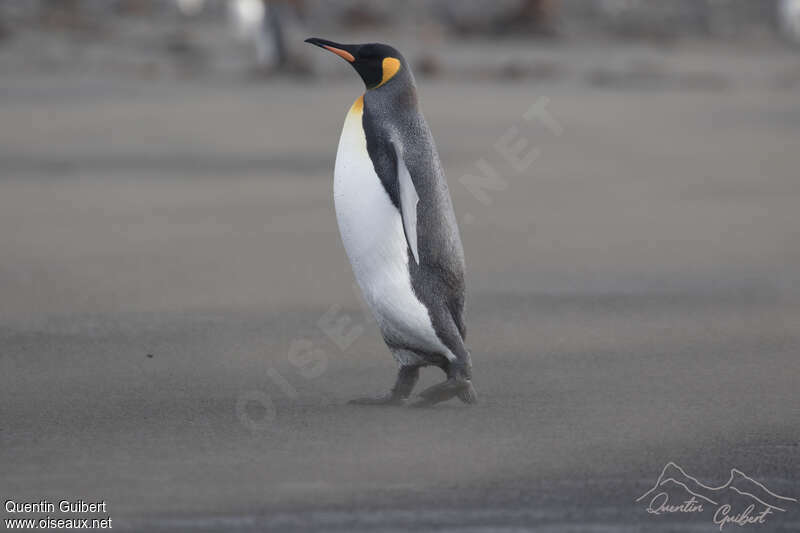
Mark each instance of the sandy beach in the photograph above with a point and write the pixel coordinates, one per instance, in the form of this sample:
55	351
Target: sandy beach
180	333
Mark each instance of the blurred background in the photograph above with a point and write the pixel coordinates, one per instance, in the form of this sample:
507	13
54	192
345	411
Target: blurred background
218	38
179	330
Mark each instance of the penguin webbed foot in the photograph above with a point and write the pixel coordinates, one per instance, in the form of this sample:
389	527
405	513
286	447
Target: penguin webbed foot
407	376
460	387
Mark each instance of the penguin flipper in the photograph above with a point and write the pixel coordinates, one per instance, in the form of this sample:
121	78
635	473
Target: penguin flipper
408	202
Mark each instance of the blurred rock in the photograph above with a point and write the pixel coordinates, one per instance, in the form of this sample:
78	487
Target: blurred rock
428	65
187	53
649	75
365	15
136	7
531	17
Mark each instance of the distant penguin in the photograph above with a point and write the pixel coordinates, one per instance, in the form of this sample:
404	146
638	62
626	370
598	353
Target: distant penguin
398	227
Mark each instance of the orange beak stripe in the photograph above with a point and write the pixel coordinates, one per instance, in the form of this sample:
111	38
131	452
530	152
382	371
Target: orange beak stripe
339	52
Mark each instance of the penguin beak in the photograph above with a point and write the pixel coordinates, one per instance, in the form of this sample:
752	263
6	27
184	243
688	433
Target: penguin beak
345	51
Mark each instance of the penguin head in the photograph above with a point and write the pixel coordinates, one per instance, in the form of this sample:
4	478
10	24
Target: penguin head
376	63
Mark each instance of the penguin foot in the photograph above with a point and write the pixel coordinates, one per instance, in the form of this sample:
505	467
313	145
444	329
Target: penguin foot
460	387
468	395
386	399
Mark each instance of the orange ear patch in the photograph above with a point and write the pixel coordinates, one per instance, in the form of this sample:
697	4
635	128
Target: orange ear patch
390	67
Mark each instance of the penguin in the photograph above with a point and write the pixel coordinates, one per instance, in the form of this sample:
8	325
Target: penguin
398	227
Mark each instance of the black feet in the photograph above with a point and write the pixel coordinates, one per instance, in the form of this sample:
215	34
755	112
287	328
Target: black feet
453	387
407	377
458	385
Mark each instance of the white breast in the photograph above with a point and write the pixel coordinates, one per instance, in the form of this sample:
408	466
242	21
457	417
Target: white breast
372	233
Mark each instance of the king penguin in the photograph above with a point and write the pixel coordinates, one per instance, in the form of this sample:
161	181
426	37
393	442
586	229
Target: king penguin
398	228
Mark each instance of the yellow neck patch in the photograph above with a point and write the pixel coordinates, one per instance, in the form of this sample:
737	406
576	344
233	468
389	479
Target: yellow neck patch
390	66
358	105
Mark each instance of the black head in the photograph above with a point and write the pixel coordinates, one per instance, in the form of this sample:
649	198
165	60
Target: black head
376	63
